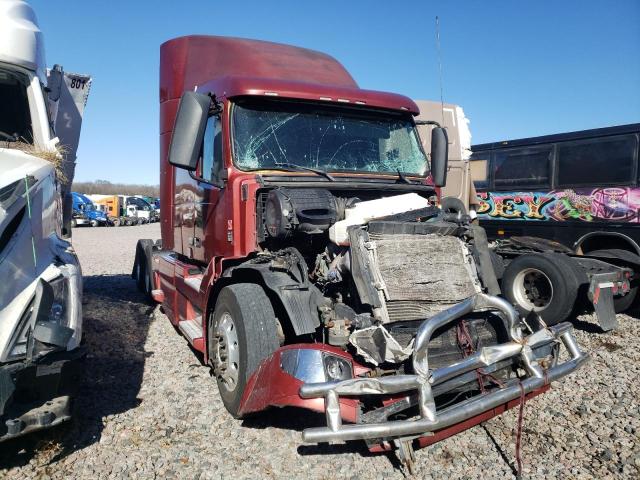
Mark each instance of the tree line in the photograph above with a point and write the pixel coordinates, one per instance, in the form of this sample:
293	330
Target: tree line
104	187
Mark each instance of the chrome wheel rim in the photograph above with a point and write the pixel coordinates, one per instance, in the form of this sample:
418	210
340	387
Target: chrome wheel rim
532	289
227	352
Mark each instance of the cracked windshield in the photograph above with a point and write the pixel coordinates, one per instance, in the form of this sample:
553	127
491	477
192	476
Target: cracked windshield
283	135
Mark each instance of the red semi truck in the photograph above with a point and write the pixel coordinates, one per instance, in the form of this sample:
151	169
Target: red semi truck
302	253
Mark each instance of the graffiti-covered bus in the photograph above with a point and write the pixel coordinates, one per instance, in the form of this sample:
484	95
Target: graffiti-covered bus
581	189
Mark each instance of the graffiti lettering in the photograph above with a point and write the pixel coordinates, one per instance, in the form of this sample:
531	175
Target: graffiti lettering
621	204
513	206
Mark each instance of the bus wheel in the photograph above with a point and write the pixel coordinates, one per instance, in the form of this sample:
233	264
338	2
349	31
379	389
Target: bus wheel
624	302
543	283
242	333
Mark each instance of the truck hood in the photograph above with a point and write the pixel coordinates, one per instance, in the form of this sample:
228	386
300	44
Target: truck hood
15	166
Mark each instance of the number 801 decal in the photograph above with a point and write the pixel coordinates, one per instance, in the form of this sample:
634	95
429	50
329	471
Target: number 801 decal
78	83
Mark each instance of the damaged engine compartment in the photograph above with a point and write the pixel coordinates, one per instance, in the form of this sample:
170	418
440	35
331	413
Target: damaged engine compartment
389	318
377	268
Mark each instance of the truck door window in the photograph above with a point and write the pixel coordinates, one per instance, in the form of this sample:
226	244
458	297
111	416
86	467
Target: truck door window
519	168
212	150
597	161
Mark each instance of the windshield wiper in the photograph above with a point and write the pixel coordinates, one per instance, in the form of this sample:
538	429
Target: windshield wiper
317	171
402	178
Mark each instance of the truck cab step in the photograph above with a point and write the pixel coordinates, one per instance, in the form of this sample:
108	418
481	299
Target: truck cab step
192	329
194	282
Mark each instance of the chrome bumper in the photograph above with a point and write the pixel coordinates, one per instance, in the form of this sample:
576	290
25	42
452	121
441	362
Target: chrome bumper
425	379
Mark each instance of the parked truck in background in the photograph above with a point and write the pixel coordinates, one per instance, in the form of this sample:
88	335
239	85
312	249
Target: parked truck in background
536	272
86	213
154	203
118	210
144	209
302	253
40	295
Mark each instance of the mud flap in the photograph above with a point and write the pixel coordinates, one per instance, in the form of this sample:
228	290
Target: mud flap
601	296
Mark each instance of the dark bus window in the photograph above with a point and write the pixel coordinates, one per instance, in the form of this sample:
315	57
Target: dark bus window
520	168
598	161
479	166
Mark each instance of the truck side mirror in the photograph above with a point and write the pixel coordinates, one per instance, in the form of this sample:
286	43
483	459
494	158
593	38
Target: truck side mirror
439	156
188	130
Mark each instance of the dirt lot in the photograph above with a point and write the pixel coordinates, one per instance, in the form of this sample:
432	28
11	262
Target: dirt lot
147	408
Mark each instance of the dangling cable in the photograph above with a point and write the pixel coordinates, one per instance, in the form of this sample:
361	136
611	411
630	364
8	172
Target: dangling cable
519	432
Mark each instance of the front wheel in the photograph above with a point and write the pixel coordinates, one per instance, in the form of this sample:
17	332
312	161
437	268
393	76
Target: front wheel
241	334
93	223
142	270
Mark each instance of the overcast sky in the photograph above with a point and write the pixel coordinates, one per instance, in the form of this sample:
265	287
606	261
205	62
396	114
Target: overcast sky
519	68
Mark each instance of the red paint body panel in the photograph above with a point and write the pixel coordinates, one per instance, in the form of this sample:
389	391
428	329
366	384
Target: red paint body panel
196	59
270	386
230	87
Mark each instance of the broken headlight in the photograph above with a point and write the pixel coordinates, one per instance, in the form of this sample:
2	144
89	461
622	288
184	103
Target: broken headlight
49	307
58	313
315	366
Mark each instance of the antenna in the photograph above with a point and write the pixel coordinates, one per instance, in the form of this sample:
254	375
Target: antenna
439	65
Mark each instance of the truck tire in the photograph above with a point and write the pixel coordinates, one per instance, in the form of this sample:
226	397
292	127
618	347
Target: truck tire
74	223
93	223
142	272
241	334
116	222
624	303
545	283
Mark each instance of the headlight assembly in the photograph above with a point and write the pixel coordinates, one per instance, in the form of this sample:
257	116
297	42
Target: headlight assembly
44	325
315	366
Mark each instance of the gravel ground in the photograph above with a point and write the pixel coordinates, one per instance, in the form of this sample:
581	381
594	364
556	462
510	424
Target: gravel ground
147	407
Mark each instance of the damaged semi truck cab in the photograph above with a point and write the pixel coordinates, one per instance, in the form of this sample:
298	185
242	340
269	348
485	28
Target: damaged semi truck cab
40	293
303	255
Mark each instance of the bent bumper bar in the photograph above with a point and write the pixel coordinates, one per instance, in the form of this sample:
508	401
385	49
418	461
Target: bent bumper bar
431	420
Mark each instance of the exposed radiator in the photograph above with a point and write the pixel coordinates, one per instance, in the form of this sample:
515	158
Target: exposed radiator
423	274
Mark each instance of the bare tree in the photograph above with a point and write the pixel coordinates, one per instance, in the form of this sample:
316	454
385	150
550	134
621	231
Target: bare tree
105	187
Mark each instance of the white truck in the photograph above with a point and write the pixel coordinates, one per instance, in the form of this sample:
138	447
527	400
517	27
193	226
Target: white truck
40	295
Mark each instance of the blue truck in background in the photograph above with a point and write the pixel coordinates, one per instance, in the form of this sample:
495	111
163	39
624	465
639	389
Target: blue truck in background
86	213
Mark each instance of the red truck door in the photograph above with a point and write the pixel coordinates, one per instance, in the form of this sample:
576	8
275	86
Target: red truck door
208	189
